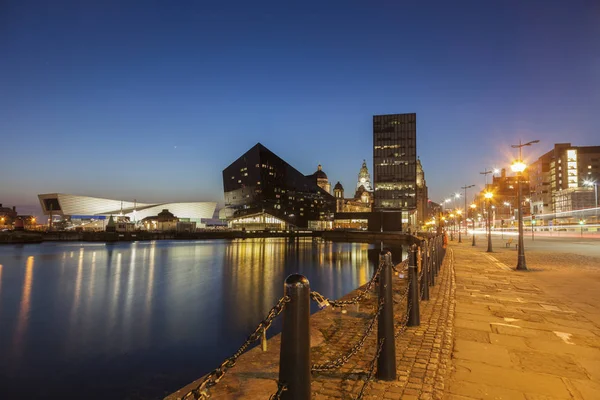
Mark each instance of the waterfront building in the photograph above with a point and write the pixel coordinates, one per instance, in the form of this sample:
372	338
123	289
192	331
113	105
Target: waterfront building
504	202
557	182
262	191
93	212
422	213
320	179
395	168
7	215
363	196
166	221
361	202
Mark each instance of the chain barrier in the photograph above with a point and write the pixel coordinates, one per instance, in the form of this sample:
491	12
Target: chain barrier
201	391
343	359
371	371
324	301
281	387
404	322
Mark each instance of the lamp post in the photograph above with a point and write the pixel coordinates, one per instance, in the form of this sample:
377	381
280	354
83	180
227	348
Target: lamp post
486	172
510	214
518	167
465	189
473	206
488	196
459	212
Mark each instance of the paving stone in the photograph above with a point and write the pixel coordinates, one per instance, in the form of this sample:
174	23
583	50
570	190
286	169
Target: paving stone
494	355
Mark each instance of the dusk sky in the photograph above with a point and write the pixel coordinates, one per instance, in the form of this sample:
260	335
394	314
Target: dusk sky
153	99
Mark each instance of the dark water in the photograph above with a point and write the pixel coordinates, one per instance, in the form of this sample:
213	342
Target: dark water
139	320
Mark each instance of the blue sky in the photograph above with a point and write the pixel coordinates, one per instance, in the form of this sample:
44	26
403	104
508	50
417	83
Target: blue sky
152	100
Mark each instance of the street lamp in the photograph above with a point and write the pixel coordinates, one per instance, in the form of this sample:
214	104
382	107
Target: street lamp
473	206
465	189
488	196
460	218
519	166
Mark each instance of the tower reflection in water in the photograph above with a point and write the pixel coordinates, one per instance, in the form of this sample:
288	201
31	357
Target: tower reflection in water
132	312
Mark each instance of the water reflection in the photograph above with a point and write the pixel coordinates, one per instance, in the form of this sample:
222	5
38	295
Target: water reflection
24	307
127	312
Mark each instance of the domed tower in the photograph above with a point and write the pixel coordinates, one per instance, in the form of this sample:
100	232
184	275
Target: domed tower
338	193
322	180
364	178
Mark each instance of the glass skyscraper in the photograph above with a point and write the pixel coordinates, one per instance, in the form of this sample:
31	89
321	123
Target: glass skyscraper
394	162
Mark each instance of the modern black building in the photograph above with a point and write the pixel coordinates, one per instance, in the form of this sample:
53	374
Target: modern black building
264	190
395	163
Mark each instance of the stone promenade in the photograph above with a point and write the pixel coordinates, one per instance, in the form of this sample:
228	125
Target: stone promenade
525	335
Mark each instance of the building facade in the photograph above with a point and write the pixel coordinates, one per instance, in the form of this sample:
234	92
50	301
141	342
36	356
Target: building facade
395	164
320	179
94	211
422	196
558	178
260	185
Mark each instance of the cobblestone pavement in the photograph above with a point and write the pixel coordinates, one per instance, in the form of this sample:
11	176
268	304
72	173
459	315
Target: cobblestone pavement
525	335
423	352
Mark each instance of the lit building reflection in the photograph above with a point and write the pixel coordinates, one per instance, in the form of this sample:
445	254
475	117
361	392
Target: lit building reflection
24	306
254	271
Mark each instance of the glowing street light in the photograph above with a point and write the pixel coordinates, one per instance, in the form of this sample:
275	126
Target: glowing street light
519	166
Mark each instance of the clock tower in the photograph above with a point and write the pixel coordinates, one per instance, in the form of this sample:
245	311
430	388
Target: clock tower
364	178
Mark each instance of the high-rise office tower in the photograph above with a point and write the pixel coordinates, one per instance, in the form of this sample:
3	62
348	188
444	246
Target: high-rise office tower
394	163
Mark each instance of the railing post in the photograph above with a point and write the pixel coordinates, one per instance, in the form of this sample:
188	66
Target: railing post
425	279
440	247
443	253
436	249
431	260
386	363
413	289
294	358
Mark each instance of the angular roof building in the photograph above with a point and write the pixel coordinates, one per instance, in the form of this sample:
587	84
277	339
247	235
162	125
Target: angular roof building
85	207
260	186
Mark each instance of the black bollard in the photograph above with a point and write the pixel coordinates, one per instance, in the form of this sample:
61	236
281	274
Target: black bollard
459	237
386	363
425	279
413	289
294	358
431	260
437	256
440	253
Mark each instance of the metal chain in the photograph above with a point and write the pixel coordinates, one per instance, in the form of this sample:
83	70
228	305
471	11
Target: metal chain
371	371
324	301
404	322
201	391
281	387
343	359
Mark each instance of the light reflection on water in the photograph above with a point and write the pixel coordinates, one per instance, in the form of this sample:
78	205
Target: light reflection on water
139	320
